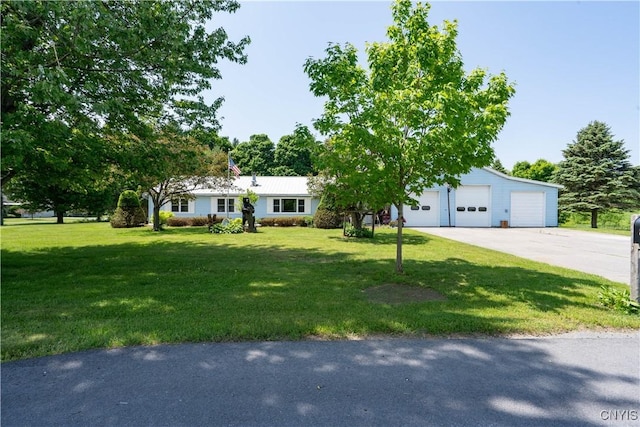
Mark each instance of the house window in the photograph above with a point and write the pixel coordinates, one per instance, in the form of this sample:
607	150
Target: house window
180	205
289	205
225	205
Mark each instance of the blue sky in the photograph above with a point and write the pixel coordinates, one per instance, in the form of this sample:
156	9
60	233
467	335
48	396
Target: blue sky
572	62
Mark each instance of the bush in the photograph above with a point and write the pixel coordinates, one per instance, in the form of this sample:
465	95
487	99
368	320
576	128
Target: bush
285	221
164	217
234	226
351	231
198	221
325	218
129	213
618	300
178	221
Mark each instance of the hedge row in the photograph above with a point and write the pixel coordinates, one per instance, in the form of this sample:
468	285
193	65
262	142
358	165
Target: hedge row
290	221
197	221
201	221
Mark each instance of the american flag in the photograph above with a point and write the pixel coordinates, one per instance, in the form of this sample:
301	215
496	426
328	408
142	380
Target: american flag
234	168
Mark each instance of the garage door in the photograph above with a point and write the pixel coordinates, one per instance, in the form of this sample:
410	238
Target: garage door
473	206
426	213
527	209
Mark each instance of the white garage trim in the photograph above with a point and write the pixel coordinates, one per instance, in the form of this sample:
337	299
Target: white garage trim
527	209
426	213
473	206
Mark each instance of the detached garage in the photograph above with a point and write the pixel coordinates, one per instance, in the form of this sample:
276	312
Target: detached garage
486	198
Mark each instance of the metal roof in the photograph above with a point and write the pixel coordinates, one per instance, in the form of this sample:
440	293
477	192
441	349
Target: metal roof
264	186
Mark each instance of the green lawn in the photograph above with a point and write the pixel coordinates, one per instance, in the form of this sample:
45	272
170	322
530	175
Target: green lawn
85	285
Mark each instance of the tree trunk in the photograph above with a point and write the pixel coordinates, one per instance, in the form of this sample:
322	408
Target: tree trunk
594	218
399	268
356	220
60	217
156	217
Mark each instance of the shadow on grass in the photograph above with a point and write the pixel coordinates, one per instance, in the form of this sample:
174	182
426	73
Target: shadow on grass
65	299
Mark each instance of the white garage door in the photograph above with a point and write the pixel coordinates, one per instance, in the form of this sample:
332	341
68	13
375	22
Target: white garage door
473	207
426	213
527	209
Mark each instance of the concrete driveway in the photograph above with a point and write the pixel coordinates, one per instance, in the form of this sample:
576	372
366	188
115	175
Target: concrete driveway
605	255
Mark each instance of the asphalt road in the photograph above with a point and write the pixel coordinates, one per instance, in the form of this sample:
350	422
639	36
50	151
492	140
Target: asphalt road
579	379
606	255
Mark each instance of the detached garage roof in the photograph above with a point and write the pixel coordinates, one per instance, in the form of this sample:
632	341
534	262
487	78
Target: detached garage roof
263	186
514	178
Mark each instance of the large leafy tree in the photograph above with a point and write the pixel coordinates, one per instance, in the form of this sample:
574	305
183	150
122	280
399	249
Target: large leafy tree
540	170
81	67
596	173
292	156
414	119
255	156
172	164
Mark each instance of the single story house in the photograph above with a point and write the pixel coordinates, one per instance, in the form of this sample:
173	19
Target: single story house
279	196
485	198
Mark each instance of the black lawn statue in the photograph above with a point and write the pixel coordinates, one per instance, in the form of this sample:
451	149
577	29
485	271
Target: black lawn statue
248	219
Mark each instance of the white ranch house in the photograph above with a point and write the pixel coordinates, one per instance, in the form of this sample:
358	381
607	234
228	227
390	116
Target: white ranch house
485	198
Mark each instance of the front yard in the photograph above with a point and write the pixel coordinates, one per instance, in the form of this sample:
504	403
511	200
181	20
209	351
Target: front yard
85	285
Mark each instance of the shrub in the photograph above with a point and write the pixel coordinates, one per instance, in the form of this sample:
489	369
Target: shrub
286	221
618	300
178	221
164	217
129	213
199	221
234	226
325	218
267	222
351	231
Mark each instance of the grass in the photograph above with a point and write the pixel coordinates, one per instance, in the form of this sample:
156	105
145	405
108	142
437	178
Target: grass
611	222
85	285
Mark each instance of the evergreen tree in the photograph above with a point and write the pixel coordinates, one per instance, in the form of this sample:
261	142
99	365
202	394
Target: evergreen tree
496	165
596	173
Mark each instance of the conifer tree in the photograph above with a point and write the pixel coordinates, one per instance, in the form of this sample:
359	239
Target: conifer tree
596	173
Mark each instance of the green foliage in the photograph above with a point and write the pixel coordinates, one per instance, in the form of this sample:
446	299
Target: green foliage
129	213
498	166
292	156
128	200
253	199
610	219
413	119
79	77
596	173
326	218
186	285
255	156
540	170
351	231
234	226
617	299
165	216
